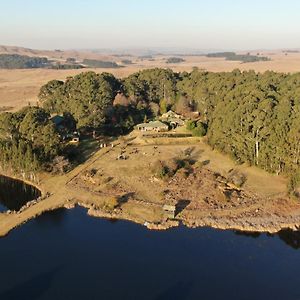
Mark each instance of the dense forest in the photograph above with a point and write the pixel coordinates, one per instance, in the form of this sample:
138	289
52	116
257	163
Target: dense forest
245	58
15	61
254	117
28	140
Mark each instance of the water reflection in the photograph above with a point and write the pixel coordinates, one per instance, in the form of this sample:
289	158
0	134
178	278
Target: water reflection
248	233
290	237
15	193
53	217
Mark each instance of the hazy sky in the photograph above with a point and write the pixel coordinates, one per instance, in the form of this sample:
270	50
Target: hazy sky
203	24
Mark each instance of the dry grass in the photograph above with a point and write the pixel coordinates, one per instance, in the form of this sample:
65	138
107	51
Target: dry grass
135	173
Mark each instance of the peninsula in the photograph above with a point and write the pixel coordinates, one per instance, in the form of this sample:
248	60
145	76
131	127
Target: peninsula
159	148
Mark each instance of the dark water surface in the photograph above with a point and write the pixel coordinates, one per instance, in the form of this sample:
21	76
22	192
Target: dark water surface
15	193
69	255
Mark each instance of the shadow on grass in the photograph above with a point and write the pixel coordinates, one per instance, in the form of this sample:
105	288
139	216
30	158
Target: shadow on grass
124	199
181	205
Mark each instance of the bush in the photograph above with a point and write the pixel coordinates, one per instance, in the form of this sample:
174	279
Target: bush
60	165
236	177
197	128
167	169
190	125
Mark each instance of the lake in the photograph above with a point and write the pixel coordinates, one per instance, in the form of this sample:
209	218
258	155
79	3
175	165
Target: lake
15	193
66	254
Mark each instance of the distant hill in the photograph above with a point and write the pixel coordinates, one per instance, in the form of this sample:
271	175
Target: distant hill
13	57
58	54
18	50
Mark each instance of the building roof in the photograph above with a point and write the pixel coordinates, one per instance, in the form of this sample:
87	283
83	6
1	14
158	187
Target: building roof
154	124
57	120
171	208
176	120
171	114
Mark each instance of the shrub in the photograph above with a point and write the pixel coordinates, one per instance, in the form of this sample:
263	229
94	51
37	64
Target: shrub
159	169
60	165
236	177
294	184
199	130
167	169
190	125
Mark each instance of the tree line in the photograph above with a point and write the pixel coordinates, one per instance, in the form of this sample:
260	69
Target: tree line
245	58
174	60
93	63
16	61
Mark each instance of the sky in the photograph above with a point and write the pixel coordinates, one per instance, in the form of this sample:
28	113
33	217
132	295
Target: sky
190	24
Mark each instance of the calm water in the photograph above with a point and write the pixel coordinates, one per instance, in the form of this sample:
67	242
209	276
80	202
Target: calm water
15	193
68	255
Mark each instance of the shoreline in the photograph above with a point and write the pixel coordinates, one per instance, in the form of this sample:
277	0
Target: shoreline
223	223
212	222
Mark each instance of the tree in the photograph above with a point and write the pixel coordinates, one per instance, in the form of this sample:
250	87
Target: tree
121	100
183	106
163	106
51	95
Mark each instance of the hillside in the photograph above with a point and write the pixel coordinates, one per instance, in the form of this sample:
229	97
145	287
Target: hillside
54	54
